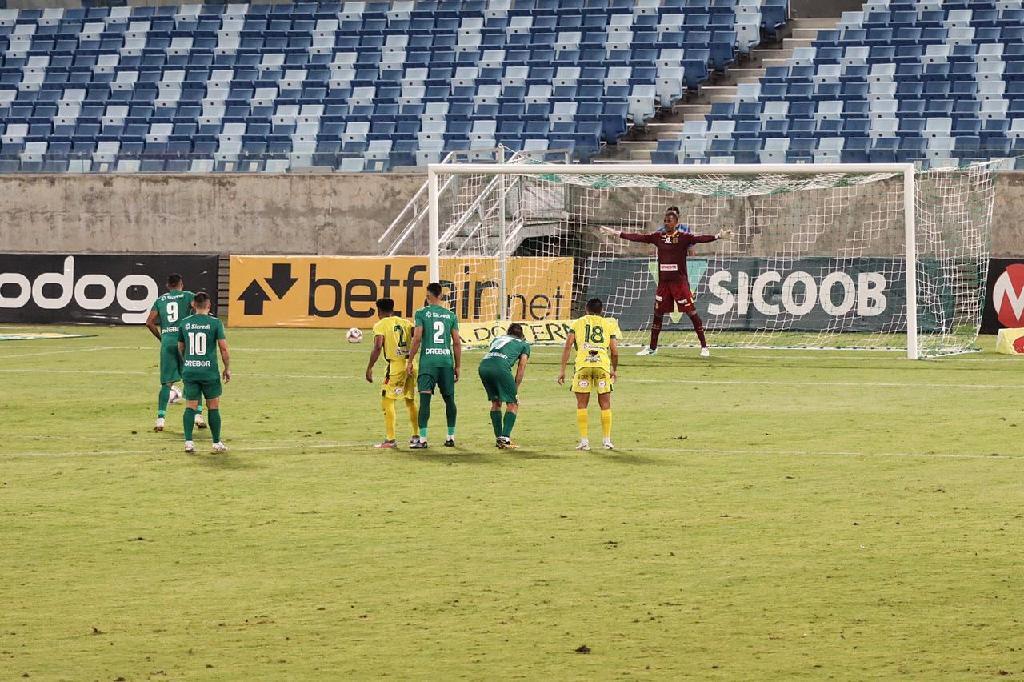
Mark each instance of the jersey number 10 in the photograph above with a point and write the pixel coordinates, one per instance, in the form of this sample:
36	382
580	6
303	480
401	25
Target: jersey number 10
196	343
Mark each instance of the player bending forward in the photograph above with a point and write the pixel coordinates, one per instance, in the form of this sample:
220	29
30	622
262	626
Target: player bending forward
200	336
597	358
673	285
391	335
436	338
163	320
506	352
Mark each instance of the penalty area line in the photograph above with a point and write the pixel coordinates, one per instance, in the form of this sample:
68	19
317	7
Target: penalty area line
688	382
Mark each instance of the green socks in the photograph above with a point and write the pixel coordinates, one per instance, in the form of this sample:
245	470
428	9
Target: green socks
450	412
162	399
496	422
424	413
510	421
215	425
189	422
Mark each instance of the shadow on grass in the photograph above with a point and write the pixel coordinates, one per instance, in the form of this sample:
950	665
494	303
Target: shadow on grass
626	457
522	453
448	456
224	461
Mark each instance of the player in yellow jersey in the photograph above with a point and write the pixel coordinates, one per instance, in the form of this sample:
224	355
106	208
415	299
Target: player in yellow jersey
595	339
391	335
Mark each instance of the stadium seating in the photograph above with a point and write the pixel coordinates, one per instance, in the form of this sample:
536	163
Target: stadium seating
938	83
349	86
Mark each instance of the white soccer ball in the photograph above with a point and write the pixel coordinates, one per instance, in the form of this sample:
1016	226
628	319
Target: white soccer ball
355	335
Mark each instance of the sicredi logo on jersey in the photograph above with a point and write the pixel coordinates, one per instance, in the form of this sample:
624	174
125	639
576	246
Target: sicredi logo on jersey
133	294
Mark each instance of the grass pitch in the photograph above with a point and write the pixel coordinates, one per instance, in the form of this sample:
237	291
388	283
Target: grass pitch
846	515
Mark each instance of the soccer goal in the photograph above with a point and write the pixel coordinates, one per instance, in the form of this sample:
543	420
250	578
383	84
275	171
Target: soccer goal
828	256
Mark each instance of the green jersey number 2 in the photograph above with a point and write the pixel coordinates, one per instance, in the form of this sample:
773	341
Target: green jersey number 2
196	343
439	333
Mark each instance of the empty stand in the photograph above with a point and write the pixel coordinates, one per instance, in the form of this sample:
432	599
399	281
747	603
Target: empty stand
352	86
938	83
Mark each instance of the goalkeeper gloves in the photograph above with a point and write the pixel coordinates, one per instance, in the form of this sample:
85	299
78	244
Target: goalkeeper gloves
724	234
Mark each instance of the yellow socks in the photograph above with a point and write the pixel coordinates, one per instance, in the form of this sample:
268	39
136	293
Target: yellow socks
606	423
581	423
389	417
414	416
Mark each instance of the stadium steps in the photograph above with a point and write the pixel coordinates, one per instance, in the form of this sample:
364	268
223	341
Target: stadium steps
637	147
223	297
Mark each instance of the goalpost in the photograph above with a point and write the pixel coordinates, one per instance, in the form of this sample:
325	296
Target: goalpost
858	256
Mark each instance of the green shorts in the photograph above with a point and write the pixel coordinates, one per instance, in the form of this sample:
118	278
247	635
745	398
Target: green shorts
170	363
442	377
499	384
205	388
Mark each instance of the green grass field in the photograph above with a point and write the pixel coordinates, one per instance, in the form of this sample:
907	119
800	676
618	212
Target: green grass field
768	514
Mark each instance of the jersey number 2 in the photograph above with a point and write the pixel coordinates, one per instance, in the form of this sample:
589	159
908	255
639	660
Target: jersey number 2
439	333
196	344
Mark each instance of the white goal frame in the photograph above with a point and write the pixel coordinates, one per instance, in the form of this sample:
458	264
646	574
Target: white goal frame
907	170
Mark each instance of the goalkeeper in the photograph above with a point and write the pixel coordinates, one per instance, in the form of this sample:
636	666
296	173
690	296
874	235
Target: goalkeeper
673	291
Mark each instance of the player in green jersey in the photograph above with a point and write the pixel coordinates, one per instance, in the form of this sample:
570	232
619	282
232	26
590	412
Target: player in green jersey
436	337
167	311
507	351
200	336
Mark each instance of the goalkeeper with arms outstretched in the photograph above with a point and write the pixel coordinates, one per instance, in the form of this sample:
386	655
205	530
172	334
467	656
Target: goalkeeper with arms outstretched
673	291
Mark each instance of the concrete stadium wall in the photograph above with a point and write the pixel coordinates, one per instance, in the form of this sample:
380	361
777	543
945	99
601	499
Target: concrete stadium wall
307	214
340	213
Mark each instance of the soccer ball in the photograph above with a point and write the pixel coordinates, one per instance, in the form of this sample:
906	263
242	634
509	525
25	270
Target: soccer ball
355	335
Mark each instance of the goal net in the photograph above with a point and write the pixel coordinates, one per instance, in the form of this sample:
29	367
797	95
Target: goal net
823	256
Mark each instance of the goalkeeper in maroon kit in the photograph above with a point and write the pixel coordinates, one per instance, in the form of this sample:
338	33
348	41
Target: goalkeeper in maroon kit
673	286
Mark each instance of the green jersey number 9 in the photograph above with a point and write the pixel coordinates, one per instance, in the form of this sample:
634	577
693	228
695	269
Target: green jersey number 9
172	311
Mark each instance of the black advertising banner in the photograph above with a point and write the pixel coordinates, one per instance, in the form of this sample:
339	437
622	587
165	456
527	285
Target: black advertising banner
100	289
1004	295
797	294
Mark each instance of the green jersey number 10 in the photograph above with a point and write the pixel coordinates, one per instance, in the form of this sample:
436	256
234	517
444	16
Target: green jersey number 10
196	343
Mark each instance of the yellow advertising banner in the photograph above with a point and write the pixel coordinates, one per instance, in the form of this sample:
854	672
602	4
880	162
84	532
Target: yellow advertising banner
547	332
1010	341
341	291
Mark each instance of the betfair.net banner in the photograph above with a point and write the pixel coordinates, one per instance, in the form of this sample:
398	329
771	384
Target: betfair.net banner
340	291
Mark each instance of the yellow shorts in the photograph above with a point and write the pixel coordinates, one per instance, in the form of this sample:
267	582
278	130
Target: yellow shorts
397	384
592	379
